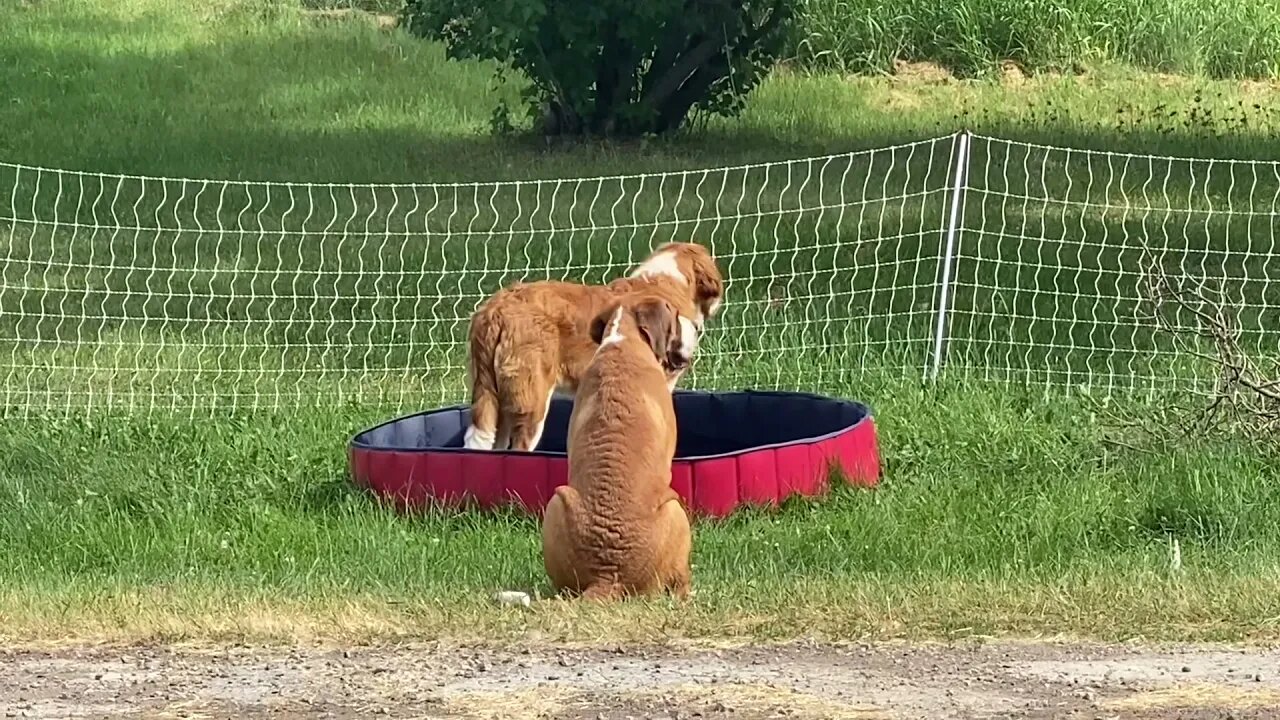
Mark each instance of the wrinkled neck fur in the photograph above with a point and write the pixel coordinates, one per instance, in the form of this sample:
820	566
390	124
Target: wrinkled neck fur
661	265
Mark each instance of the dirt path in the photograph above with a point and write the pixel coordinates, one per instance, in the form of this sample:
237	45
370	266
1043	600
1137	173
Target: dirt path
1006	680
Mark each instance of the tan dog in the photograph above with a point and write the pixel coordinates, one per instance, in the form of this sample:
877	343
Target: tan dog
618	529
530	339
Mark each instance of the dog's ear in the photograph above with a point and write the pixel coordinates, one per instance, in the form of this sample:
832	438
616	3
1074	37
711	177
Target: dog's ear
710	294
708	285
657	322
600	322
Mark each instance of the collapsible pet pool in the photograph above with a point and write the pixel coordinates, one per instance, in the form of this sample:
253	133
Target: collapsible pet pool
732	448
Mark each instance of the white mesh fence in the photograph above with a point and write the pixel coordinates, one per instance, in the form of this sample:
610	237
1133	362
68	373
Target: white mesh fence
1061	249
971	255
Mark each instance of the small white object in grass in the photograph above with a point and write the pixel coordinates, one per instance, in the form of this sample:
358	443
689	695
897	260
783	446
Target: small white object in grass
512	597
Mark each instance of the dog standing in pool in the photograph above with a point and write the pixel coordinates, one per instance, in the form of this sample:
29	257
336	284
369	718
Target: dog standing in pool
618	528
530	339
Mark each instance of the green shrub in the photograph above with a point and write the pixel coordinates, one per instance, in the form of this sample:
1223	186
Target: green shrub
613	67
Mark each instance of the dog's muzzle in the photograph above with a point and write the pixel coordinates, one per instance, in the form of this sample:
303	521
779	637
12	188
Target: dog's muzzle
680	358
677	362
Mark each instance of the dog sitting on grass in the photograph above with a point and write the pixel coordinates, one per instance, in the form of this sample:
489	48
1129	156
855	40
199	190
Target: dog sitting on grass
618	528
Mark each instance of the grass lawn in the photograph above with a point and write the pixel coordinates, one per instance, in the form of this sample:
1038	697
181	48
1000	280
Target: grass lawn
1006	509
1219	39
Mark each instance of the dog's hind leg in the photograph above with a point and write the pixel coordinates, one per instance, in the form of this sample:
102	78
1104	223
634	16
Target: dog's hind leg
559	540
529	414
542	421
502	439
483	335
482	433
673	547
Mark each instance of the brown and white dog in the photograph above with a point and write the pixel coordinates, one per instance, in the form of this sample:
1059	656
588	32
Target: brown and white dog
530	339
618	528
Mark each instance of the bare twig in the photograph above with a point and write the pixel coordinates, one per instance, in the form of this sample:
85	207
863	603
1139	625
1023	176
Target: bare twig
1244	397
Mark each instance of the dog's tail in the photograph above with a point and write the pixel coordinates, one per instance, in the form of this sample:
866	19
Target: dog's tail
483	338
603	590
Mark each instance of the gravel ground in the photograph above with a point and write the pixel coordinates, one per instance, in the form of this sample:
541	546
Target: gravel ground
894	680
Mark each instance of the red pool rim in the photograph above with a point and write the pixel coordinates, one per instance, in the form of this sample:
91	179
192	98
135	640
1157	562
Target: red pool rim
755	447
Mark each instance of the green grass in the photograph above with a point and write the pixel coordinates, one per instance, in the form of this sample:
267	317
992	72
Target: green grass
1001	513
1005	509
1219	38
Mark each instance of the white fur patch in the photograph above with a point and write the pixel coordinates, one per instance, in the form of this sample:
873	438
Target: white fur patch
477	439
615	335
715	307
664	263
688	338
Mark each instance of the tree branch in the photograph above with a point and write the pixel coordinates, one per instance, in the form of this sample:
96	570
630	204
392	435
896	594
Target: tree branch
679	71
694	89
711	70
565	116
777	13
1243	397
615	80
675	40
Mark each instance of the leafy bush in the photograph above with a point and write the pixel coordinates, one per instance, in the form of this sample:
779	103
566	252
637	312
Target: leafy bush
609	67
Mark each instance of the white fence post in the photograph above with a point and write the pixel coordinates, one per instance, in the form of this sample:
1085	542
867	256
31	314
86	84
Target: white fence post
953	232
